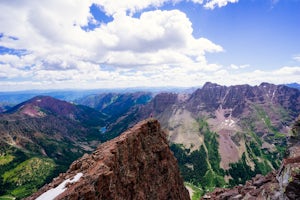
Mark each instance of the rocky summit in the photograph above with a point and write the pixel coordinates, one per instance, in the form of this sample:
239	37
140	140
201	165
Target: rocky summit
136	165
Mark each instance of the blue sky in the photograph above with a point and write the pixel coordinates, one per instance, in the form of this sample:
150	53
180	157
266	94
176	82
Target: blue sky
83	44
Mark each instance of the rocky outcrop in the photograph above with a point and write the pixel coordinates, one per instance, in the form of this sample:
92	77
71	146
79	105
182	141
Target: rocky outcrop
289	174
259	187
281	184
136	165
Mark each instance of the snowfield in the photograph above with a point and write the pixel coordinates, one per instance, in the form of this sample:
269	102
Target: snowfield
54	192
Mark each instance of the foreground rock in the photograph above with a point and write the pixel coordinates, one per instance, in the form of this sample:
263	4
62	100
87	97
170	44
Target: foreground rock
136	165
277	185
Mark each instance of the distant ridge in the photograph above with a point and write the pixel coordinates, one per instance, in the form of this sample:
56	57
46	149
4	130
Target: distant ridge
294	85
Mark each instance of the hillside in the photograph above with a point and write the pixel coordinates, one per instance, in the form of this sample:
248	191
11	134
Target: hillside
40	138
136	165
281	184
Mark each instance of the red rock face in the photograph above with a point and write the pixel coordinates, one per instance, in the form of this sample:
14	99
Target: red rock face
136	165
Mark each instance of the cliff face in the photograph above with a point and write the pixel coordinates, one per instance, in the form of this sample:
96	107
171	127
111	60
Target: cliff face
239	97
277	185
136	165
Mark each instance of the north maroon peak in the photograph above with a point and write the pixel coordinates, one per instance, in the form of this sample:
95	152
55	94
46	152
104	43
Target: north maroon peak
136	165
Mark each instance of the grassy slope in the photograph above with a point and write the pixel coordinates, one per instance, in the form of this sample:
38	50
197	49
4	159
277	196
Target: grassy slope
22	173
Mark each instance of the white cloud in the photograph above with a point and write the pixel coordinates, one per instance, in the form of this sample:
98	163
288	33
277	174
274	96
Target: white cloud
297	58
211	4
236	67
133	6
197	1
287	71
7	72
58	50
115	6
158	48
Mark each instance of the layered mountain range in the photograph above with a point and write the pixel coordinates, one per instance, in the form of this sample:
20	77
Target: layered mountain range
221	136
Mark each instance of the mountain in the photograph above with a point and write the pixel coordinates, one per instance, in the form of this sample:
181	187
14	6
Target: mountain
281	184
115	104
12	98
39	138
294	85
136	165
4	107
222	136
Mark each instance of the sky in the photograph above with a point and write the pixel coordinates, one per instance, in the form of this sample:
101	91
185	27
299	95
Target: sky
90	44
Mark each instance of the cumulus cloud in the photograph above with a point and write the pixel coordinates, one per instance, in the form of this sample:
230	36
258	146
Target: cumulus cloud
156	48
59	49
293	71
113	7
133	6
211	4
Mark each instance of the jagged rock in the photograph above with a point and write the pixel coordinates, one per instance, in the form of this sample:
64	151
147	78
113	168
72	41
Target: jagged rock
136	165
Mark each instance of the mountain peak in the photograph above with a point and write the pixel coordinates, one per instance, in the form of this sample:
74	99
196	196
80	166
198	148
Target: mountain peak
208	85
136	165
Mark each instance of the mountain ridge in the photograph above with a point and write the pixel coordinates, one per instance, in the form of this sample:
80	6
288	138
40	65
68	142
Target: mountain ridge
248	126
136	165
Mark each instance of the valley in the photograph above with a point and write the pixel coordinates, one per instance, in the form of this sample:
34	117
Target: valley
221	136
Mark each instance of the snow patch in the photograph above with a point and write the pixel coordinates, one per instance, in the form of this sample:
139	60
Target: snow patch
231	123
54	192
228	122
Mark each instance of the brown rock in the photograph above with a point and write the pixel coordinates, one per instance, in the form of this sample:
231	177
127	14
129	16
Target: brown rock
136	165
